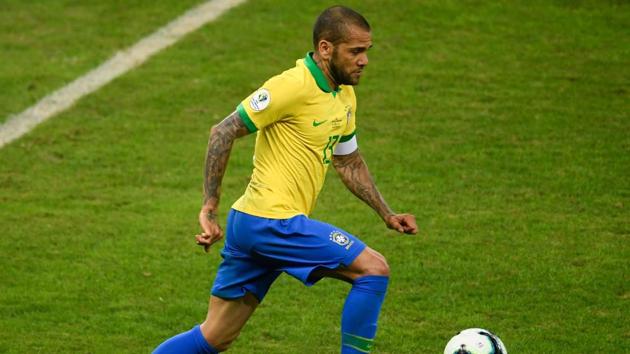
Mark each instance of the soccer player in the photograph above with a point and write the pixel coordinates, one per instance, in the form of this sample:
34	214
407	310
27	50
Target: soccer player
305	121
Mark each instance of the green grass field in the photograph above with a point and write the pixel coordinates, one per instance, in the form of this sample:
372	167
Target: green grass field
503	126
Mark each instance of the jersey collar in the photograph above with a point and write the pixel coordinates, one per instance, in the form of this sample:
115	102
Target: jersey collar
318	75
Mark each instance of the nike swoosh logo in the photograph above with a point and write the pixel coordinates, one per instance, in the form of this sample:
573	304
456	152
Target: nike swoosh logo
316	123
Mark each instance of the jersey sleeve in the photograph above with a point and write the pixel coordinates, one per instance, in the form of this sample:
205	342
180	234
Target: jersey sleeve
348	141
352	113
270	103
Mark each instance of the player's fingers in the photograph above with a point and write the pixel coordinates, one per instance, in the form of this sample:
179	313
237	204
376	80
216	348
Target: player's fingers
207	240
396	225
214	232
409	223
204	235
204	242
203	239
411	230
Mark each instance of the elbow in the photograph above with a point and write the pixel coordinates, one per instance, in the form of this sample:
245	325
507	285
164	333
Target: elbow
214	129
217	133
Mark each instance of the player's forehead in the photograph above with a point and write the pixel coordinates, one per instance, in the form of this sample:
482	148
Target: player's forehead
357	37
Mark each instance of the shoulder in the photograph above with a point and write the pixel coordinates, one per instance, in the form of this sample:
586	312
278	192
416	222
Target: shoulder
289	81
285	90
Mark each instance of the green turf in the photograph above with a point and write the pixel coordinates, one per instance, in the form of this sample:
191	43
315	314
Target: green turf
503	126
47	44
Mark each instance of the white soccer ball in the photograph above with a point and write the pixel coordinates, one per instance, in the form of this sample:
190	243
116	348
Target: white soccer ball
475	341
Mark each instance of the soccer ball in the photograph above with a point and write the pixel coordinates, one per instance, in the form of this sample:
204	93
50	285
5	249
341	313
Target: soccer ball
475	341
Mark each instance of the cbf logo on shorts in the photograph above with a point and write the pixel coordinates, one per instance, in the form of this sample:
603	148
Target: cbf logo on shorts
260	100
341	239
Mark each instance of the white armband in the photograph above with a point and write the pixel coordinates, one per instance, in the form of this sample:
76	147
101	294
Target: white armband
346	147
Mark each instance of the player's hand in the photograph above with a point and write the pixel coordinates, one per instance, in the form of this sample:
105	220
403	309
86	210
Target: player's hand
211	231
403	223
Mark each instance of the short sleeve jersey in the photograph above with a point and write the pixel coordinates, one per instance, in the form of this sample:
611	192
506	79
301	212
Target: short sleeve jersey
299	120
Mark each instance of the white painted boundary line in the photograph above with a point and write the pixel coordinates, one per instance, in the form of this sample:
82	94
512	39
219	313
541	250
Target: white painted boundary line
119	64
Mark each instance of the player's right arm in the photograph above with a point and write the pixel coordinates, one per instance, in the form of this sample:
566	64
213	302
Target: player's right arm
261	108
222	136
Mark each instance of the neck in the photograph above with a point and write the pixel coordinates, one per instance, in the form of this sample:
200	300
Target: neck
324	66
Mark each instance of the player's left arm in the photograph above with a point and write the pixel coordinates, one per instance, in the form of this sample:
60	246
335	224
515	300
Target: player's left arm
355	175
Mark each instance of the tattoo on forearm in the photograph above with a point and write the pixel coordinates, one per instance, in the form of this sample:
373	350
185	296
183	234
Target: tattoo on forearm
211	215
220	143
356	176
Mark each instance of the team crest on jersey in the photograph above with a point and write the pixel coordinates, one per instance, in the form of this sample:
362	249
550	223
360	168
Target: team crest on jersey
260	100
341	239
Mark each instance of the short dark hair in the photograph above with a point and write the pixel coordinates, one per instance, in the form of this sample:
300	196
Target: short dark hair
332	24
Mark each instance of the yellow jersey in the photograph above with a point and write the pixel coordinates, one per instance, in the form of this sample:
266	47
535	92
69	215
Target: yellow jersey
299	120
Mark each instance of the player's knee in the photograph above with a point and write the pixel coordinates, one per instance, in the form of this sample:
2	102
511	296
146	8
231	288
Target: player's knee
369	262
377	265
224	345
380	268
221	341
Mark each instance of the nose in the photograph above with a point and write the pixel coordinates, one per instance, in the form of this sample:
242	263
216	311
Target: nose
363	60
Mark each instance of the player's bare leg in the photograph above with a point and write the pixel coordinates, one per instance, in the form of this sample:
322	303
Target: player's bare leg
223	324
226	318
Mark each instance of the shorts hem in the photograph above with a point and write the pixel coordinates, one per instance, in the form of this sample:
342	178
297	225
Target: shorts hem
309	281
234	297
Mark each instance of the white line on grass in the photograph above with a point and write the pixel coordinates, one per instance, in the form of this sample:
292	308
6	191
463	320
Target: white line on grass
119	64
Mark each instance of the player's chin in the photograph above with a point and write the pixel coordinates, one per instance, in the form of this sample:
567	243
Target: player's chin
354	80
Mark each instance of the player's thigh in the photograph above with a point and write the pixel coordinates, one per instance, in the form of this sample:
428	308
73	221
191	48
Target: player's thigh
226	318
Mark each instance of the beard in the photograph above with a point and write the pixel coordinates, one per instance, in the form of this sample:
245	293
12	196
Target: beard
341	77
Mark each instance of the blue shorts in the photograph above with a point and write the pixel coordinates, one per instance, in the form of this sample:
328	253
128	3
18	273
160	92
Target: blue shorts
257	250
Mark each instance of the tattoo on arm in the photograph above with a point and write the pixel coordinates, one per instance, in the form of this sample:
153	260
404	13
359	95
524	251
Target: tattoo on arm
355	175
222	137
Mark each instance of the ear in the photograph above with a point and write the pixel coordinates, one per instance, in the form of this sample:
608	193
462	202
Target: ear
325	49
